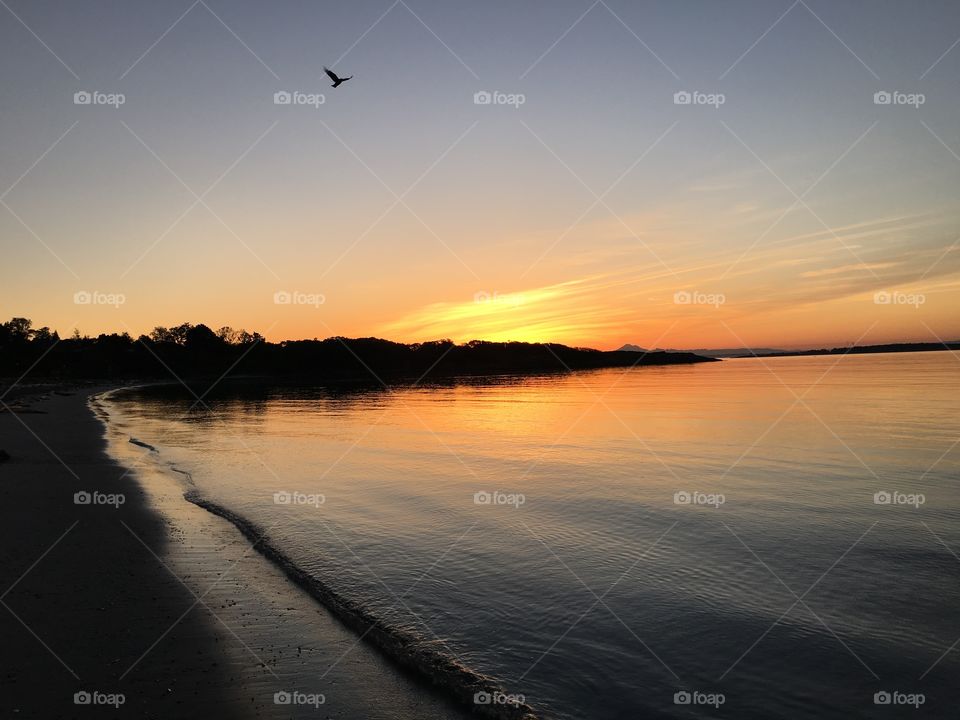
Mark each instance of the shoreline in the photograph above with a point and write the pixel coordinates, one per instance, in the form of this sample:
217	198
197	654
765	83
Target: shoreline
86	607
152	605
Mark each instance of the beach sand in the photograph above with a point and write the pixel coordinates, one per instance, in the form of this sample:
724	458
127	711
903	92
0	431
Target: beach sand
157	599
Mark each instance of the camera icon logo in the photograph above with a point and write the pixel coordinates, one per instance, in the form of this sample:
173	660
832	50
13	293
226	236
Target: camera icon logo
82	297
482	698
82	97
282	97
882	298
282	697
882	698
682	698
682	98
482	98
681	498
282	297
882	97
682	297
882	498
82	498
82	698
282	498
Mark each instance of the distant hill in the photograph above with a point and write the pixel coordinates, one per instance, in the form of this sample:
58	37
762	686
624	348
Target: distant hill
865	349
714	353
773	352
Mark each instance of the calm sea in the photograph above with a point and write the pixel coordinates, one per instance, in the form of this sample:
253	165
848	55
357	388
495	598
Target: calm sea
770	538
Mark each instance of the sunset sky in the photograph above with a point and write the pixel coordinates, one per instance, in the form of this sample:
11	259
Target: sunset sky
797	213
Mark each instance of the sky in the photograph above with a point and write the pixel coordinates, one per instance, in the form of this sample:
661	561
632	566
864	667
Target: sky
786	205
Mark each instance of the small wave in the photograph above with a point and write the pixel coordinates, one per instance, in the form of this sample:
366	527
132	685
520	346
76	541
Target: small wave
96	407
401	645
187	475
142	444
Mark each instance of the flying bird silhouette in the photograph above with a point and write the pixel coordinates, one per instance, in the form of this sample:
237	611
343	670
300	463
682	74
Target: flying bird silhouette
336	80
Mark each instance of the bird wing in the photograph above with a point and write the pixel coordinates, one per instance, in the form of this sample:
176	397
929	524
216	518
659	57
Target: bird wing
333	75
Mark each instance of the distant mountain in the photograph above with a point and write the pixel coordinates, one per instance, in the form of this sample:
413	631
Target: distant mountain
630	348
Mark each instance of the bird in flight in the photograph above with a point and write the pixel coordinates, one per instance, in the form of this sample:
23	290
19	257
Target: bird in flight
336	80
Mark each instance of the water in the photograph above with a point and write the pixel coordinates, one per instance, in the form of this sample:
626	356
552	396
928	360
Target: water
783	590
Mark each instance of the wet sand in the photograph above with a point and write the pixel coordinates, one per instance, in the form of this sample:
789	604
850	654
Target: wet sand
156	599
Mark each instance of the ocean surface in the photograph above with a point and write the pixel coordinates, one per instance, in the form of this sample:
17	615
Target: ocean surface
772	538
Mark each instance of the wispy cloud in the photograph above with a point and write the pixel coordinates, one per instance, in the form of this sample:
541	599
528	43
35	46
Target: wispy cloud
558	312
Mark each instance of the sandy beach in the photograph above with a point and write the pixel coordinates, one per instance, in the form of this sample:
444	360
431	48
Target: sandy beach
136	601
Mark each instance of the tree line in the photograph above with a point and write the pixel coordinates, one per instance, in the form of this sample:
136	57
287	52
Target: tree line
189	350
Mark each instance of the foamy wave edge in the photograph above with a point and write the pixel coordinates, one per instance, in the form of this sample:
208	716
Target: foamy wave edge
406	649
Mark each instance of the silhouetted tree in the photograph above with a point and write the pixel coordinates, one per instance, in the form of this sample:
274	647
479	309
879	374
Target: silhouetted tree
44	336
245	338
178	334
200	338
227	334
18	329
160	334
